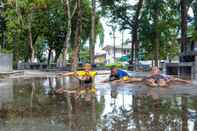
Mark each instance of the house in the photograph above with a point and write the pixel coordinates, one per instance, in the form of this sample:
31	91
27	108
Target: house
100	59
119	52
187	65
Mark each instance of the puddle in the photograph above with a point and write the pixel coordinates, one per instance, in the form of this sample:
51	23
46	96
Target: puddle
31	105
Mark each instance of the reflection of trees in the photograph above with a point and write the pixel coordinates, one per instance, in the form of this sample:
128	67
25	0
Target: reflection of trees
83	115
145	113
151	115
31	102
184	114
193	106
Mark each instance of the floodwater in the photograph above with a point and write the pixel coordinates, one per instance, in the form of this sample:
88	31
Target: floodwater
29	104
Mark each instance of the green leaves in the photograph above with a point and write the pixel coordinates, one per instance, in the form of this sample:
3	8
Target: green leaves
47	21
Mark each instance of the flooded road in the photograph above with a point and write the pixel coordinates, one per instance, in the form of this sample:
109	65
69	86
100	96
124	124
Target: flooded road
31	105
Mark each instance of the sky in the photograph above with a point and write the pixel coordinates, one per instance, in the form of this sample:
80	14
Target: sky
108	40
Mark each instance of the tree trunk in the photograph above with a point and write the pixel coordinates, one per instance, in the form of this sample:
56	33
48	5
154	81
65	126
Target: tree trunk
68	34
184	114
30	41
135	27
16	50
157	36
183	4
77	38
132	54
157	48
57	56
194	7
68	14
93	32
49	56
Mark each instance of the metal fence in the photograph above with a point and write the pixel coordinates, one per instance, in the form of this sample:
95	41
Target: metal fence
6	62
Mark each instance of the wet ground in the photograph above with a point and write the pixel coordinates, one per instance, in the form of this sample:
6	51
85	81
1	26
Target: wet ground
29	104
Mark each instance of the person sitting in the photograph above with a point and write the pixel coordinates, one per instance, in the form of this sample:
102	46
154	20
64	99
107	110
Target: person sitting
157	79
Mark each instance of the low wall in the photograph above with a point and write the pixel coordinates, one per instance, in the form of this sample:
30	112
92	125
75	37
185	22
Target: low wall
6	62
183	69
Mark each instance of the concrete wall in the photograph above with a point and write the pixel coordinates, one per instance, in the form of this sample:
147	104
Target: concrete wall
195	69
5	62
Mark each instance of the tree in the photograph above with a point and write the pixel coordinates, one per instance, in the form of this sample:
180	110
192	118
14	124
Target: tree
194	7
183	4
158	27
69	13
77	40
156	32
135	26
27	9
93	32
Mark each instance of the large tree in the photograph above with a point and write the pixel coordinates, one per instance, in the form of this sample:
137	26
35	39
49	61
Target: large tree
135	27
158	29
69	11
77	37
50	27
127	16
183	4
93	32
152	23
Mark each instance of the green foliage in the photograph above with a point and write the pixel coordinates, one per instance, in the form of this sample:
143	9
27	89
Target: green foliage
84	55
121	12
117	65
167	26
47	21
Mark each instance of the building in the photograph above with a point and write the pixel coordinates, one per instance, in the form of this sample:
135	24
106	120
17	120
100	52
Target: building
187	65
119	52
100	59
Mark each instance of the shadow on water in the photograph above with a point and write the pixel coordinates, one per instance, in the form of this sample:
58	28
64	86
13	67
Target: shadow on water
31	105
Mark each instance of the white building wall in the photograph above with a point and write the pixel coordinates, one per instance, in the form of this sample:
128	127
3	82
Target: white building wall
118	54
6	62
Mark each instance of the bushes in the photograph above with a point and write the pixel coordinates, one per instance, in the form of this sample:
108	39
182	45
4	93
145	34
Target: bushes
117	65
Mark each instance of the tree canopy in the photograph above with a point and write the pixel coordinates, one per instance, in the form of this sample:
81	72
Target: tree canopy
39	27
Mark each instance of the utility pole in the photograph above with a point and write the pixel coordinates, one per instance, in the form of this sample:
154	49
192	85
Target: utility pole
114	41
113	33
122	43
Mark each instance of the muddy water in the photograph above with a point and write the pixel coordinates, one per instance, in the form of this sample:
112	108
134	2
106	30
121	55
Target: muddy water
31	105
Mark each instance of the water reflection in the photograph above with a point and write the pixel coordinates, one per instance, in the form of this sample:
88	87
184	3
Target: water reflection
31	104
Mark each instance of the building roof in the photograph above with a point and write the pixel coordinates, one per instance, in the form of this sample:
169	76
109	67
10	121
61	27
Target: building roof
116	47
99	55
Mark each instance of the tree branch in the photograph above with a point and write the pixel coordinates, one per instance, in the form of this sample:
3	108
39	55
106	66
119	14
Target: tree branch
74	10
